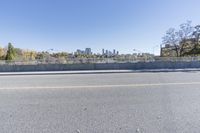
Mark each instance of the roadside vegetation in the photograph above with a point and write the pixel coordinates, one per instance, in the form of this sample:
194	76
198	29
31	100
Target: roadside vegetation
183	41
10	53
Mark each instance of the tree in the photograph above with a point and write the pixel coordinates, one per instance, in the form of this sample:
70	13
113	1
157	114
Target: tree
28	54
184	34
41	55
11	53
196	34
2	53
172	39
182	39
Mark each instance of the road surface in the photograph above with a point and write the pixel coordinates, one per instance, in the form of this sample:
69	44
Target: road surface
151	102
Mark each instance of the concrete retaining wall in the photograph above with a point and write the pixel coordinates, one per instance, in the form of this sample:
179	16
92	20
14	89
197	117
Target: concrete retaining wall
110	66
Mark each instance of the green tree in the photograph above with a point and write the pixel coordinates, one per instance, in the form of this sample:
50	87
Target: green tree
11	53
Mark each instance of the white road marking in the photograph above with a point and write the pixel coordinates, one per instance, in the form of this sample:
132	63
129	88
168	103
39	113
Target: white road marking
67	75
99	86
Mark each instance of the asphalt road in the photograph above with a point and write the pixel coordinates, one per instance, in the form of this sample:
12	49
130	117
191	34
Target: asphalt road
159	102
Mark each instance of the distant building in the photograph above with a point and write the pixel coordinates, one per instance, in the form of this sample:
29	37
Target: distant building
168	51
70	55
103	51
78	51
147	55
110	53
114	52
106	52
117	53
88	51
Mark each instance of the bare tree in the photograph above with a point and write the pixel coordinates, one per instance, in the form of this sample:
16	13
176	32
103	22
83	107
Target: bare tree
184	34
180	39
172	39
196	34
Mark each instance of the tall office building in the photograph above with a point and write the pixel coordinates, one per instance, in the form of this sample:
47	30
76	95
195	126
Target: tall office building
117	53
106	52
88	51
103	51
78	51
114	52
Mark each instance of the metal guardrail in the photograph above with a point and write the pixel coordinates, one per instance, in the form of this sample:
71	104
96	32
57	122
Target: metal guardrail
97	60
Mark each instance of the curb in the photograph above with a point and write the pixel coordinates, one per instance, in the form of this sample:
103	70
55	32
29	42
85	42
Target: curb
96	72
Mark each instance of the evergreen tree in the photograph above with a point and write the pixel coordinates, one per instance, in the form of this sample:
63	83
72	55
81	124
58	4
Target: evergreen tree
11	53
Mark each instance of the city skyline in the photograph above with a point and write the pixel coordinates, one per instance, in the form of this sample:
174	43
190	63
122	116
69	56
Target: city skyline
88	51
68	25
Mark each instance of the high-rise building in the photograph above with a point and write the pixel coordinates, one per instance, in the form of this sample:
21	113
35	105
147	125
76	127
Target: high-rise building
88	51
103	51
78	51
117	53
106	52
114	52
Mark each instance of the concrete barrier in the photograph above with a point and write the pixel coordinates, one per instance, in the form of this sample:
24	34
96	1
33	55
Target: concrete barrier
101	66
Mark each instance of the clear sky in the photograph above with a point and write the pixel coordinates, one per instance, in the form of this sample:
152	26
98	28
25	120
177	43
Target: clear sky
66	25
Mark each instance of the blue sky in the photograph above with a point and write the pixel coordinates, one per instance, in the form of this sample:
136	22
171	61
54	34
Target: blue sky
66	25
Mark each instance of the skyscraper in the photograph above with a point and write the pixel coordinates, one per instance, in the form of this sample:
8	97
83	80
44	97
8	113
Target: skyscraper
103	51
88	51
114	52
